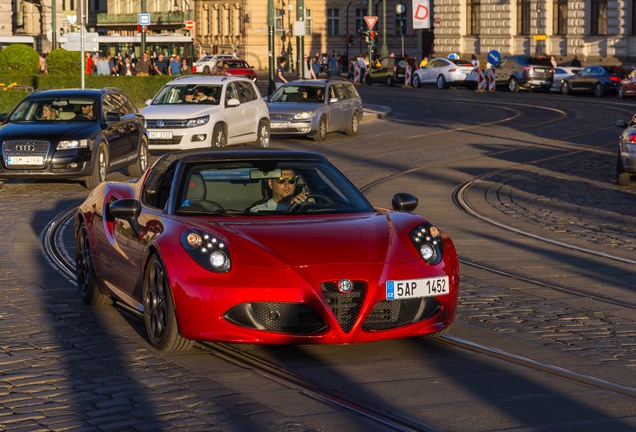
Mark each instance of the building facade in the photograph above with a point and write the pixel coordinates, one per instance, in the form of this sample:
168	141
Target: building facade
593	30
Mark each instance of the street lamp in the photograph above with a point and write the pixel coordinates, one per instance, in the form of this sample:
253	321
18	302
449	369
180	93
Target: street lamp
289	45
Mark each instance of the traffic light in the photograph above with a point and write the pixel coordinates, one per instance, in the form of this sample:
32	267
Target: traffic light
372	37
365	34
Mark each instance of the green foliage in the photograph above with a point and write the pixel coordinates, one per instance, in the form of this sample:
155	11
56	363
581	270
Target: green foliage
61	62
20	60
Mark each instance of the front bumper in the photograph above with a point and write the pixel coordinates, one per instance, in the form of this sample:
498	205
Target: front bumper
179	138
290	127
627	153
55	163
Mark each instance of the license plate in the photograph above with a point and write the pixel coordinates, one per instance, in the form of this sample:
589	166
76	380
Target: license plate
414	288
25	160
159	135
278	125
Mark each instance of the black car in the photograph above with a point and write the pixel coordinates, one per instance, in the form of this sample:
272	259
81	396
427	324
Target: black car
524	72
73	134
597	79
389	70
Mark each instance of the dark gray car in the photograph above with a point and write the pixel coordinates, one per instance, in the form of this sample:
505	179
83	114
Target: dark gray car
527	72
314	108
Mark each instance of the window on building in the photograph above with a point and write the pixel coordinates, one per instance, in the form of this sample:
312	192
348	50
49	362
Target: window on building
598	17
523	17
400	24
633	18
333	22
279	22
473	15
360	24
307	22
560	24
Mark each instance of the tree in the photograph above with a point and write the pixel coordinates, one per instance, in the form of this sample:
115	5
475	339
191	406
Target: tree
19	59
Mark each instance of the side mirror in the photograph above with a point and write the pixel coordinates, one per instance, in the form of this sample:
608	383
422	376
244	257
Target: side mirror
233	102
112	117
129	210
403	201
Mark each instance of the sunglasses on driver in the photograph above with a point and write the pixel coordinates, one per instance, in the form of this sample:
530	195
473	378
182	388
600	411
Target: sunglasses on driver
290	180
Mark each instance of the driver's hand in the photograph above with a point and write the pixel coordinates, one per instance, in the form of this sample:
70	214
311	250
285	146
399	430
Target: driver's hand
300	198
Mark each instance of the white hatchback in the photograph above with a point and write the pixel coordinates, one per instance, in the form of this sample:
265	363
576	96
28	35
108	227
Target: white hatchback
207	63
206	111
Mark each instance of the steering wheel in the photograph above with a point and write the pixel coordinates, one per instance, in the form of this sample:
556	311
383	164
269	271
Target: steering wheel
317	198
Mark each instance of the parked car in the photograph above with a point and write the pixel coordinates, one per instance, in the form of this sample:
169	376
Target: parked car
206	260
389	70
524	72
73	134
560	73
221	110
597	79
234	67
301	108
206	63
626	160
628	86
444	72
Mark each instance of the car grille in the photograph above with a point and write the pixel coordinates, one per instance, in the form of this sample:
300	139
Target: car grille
396	313
166	124
345	306
286	117
175	140
25	149
294	318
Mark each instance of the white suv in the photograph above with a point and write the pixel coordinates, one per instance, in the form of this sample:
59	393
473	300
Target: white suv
207	63
195	111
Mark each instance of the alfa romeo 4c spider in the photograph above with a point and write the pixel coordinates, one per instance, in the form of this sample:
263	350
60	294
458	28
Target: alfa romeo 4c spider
262	246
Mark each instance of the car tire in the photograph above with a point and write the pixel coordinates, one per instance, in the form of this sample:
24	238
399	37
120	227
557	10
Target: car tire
390	82
416	81
159	311
354	124
441	82
622	178
99	169
321	132
206	69
263	134
599	91
85	272
219	136
138	169
513	85
621	93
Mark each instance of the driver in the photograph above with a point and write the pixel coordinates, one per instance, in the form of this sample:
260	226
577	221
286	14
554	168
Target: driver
282	193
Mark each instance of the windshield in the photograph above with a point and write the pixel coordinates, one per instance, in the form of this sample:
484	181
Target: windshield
299	93
72	109
259	188
188	93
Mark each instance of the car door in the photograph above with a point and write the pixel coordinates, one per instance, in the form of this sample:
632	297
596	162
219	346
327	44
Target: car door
629	84
248	97
584	81
234	115
116	133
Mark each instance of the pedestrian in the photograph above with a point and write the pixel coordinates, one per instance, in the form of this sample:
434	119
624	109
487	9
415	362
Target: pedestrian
280	77
315	65
144	65
333	66
308	72
174	68
127	68
474	61
102	66
362	64
161	67
89	63
43	68
185	68
553	62
575	62
424	61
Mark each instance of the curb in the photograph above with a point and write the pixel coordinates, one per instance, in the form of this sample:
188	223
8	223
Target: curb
376	111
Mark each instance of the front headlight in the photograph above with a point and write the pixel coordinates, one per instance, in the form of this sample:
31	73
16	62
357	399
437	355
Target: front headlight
72	144
306	115
198	121
427	239
207	250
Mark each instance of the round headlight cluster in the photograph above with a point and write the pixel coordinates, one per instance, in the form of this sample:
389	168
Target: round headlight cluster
427	239
207	250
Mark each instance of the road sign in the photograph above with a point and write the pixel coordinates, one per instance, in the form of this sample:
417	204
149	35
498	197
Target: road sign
144	19
494	57
540	37
74	39
421	14
189	25
371	20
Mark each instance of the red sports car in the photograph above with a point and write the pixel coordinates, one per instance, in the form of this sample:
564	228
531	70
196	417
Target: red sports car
235	67
262	246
